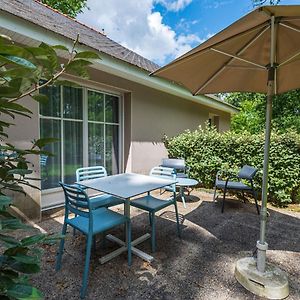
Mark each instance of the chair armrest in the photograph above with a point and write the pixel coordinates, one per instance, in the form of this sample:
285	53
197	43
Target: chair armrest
229	175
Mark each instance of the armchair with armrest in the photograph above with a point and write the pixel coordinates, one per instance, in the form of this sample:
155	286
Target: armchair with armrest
246	173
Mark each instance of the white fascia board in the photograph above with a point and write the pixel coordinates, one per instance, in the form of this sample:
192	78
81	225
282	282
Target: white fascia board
110	64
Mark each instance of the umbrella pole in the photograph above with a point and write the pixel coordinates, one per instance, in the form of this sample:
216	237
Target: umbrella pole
261	245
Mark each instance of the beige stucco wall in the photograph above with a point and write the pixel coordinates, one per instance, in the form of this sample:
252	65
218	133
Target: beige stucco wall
21	135
148	115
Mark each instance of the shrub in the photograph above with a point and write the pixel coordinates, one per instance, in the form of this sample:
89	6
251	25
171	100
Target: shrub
206	151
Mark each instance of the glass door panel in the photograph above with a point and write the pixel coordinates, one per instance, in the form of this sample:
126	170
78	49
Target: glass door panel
112	149
72	145
50	165
52	107
96	144
95	106
111	109
73	106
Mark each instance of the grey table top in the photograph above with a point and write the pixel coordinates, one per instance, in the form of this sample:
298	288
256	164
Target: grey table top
186	181
126	185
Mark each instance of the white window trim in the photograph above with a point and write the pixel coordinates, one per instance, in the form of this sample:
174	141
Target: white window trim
85	122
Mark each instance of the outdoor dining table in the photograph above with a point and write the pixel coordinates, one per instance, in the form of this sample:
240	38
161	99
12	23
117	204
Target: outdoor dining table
127	186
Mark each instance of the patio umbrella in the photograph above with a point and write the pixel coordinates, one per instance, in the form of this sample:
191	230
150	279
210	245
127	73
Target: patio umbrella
258	53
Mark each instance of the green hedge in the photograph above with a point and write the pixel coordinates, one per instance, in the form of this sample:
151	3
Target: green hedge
206	151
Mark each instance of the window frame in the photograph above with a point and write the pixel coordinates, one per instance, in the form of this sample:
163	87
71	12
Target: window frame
85	123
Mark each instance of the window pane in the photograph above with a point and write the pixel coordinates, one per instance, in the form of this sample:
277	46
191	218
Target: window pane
52	107
96	144
72	103
111	109
73	144
112	149
95	106
50	165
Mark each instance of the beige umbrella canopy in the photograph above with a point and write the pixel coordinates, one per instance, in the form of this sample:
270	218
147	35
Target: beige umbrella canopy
237	58
258	53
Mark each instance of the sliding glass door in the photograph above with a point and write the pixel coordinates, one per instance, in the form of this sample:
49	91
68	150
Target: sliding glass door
87	124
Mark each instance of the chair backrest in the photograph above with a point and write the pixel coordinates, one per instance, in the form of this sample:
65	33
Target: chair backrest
90	173
164	172
175	163
247	172
76	200
43	160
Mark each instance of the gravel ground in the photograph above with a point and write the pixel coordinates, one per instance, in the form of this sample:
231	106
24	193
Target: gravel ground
198	266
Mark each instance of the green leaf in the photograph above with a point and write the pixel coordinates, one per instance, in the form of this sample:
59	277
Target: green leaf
26	259
41	98
19	172
35	239
25	268
5	200
9	240
24	292
60	47
13	106
9	92
17	60
45	141
87	55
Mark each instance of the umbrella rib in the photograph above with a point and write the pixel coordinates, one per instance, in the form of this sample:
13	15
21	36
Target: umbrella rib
188	56
234	57
289	27
289	59
238	58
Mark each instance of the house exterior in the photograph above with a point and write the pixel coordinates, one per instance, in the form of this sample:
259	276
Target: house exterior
117	118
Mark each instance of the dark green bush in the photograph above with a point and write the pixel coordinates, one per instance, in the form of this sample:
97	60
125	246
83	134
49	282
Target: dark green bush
206	151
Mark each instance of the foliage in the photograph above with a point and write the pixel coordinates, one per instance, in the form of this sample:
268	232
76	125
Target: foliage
206	151
23	71
251	118
69	7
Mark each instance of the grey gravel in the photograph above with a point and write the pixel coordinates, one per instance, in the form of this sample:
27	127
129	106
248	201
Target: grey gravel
198	266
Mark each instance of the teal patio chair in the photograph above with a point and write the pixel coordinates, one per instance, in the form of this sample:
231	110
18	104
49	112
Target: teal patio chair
152	204
94	173
246	173
90	221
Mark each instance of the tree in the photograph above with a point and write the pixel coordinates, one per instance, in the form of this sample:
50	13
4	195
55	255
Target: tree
251	118
23	71
69	7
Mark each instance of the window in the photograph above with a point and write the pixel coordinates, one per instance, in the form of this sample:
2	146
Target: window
87	124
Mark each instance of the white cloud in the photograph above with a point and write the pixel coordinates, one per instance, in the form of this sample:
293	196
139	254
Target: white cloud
136	26
176	5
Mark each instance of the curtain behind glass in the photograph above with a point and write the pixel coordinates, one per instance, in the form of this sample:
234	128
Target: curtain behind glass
112	149
51	165
73	145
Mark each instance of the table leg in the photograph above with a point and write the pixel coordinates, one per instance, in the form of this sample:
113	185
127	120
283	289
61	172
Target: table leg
122	249
181	192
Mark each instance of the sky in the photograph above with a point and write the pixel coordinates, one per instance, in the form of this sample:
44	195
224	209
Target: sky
162	30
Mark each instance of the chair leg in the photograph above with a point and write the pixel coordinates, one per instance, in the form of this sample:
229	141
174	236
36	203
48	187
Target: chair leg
86	266
94	243
153	246
150	219
223	202
129	243
215	192
256	204
61	248
177	220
